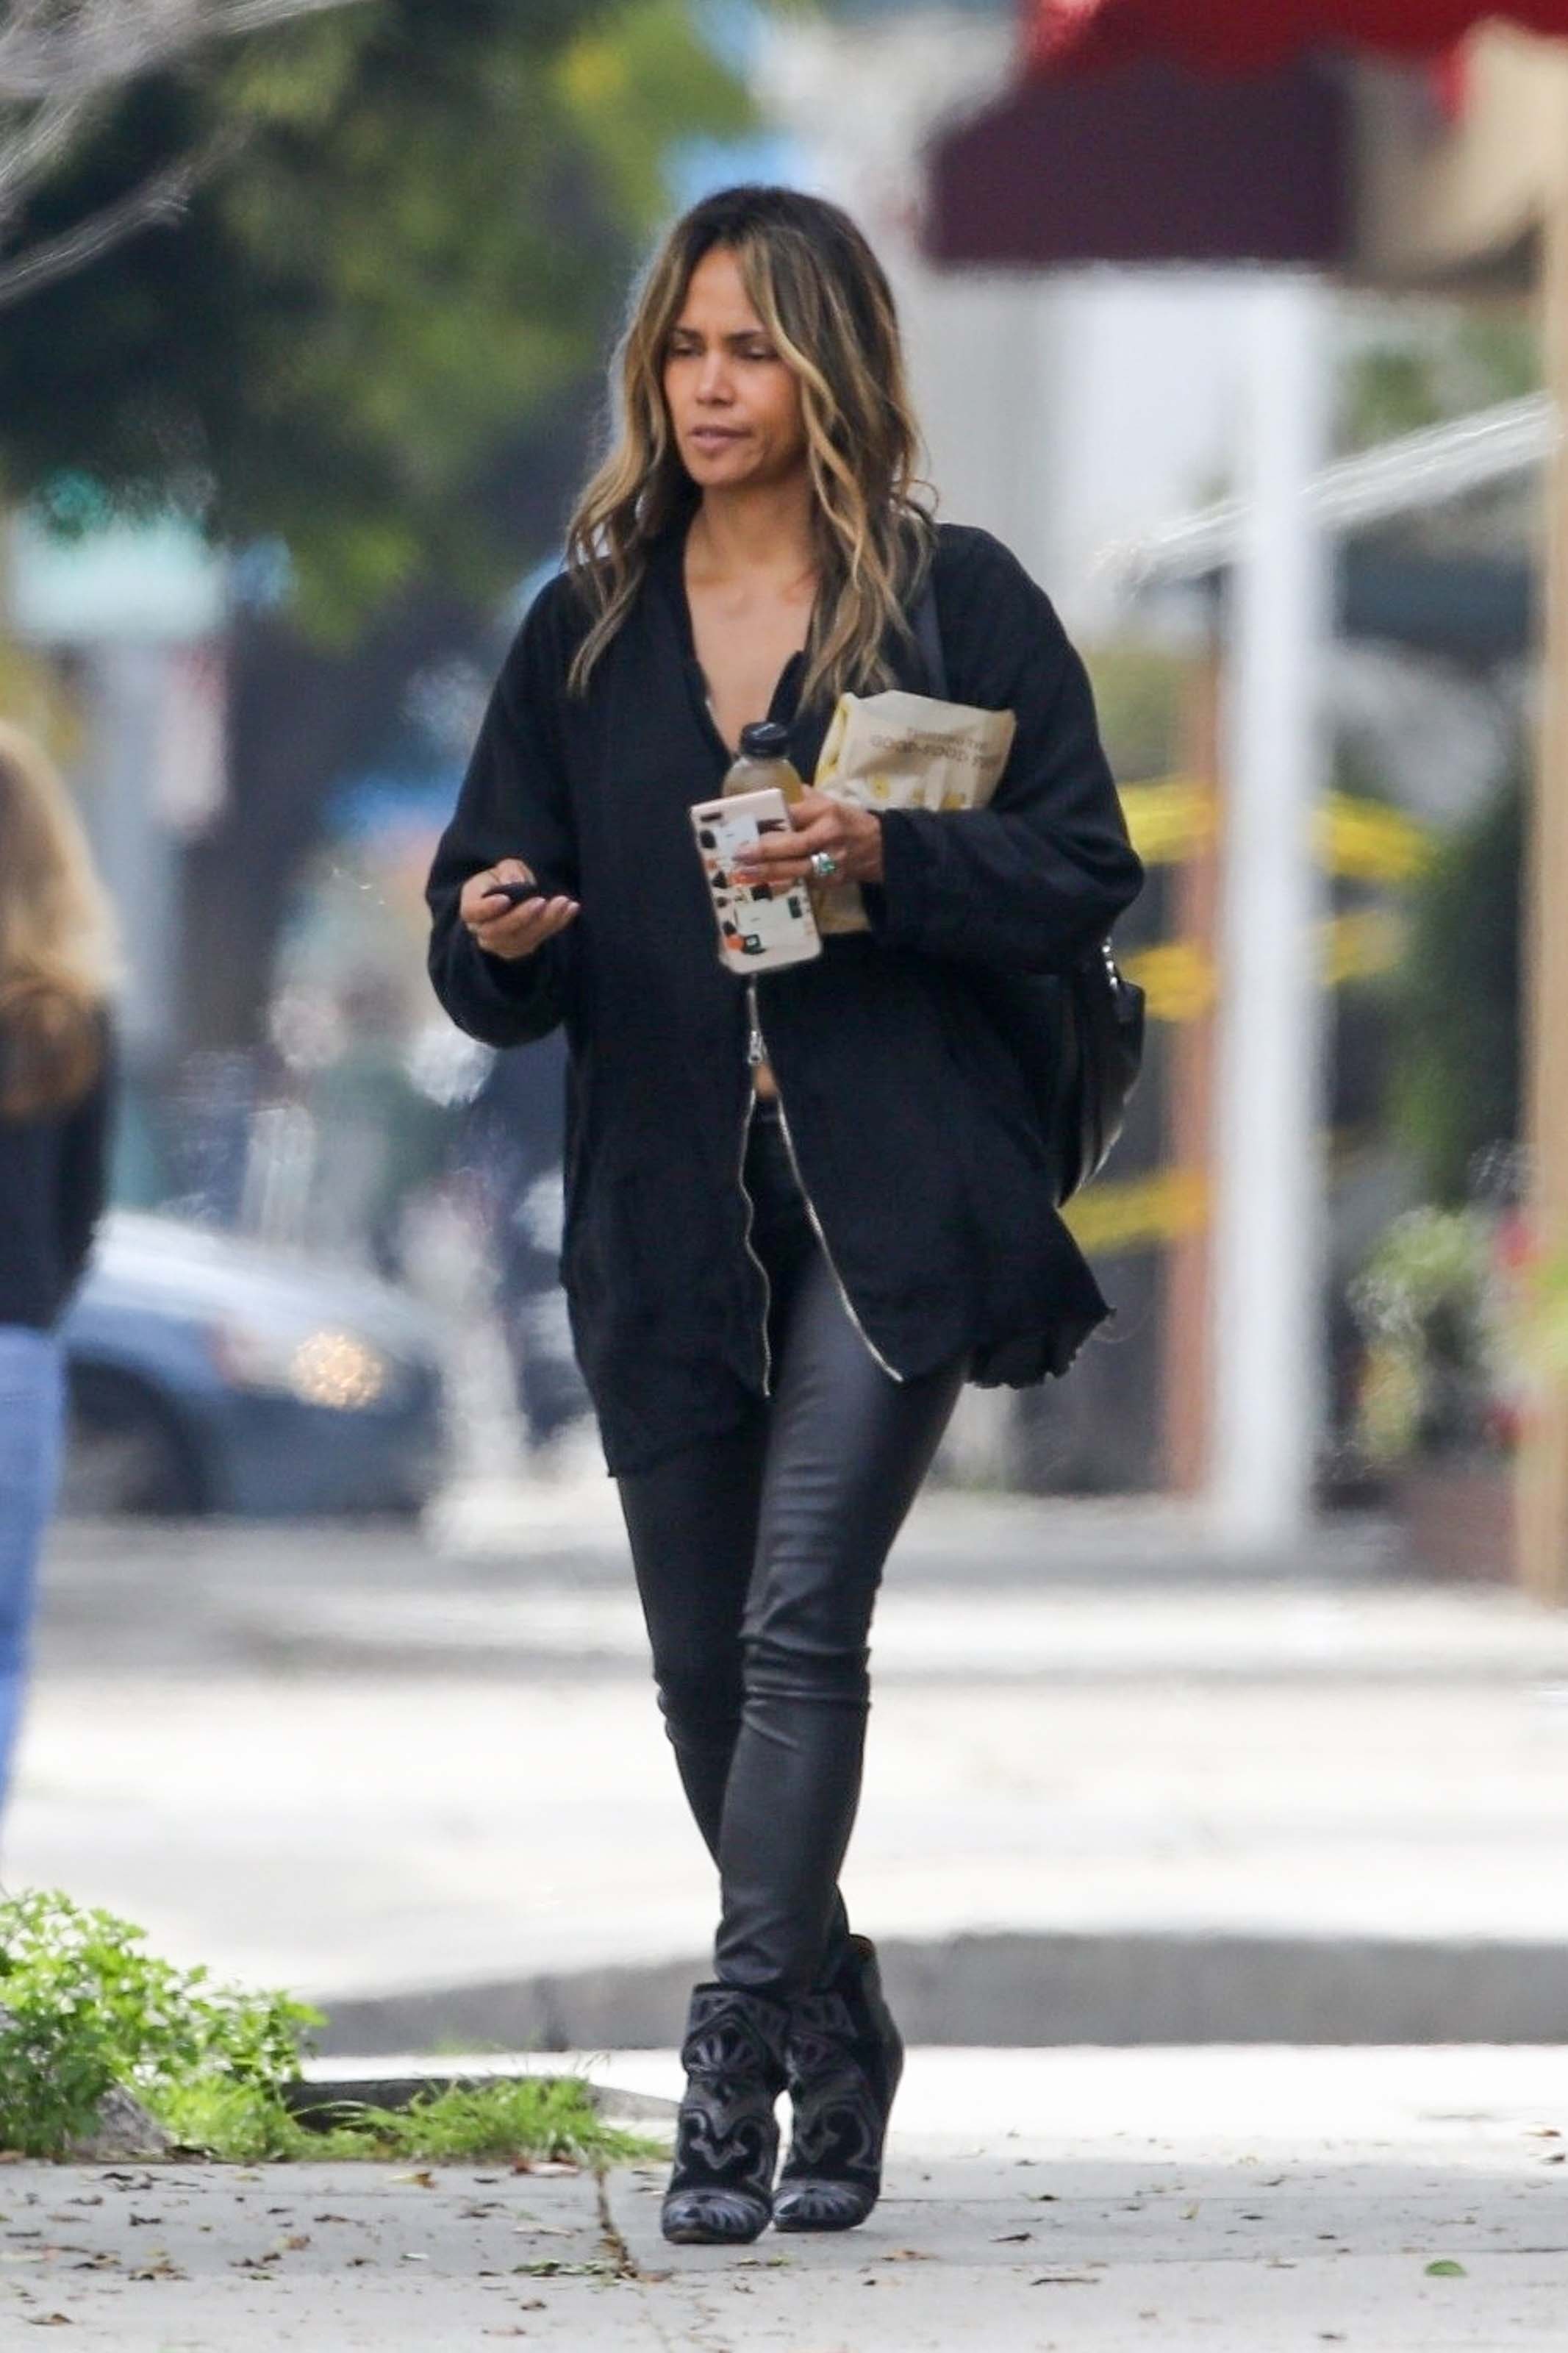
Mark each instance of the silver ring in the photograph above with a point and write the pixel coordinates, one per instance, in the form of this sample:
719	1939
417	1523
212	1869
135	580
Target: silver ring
824	865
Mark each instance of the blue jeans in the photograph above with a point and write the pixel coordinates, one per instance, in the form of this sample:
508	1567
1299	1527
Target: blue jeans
32	1424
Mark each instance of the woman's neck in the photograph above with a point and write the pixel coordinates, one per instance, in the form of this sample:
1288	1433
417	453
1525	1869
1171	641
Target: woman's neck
754	534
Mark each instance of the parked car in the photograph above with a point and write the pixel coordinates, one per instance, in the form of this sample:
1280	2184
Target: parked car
210	1372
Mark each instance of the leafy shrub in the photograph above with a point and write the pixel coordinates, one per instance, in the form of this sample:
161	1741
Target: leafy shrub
1437	1366
85	2008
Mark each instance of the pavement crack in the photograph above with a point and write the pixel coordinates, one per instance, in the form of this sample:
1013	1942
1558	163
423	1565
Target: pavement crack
622	2259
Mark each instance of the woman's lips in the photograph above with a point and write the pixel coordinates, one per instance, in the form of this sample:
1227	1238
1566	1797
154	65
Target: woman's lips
712	436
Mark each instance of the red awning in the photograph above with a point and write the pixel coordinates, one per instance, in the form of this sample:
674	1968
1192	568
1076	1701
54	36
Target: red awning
1251	35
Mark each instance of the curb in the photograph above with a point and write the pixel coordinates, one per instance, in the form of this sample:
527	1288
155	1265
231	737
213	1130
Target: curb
318	2100
1033	1990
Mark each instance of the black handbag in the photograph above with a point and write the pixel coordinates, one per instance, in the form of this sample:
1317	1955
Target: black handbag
1077	1032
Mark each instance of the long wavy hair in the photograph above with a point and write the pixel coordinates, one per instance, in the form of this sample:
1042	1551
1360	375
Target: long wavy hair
824	298
60	958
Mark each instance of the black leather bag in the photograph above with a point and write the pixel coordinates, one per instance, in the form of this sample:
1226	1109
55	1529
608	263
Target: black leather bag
1078	1033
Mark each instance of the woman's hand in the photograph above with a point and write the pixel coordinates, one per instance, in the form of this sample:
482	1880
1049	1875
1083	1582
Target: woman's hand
852	835
502	930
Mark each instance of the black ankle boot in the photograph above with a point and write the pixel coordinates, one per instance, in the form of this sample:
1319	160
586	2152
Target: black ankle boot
843	2056
726	2134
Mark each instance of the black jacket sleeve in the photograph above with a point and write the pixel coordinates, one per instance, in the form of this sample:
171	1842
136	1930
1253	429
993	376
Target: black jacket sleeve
512	803
84	1164
1043	870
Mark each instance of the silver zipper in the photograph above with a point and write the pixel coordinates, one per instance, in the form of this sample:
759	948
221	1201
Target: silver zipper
751	1253
893	1375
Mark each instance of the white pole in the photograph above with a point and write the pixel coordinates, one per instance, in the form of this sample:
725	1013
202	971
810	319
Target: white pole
1269	1177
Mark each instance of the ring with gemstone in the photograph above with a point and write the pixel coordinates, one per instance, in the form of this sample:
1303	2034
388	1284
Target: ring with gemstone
824	865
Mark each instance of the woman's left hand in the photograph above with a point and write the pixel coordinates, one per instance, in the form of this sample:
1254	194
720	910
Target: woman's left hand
851	835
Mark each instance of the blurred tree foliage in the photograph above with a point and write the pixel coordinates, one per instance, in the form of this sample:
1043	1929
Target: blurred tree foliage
1140	692
416	247
1416	362
1455	1084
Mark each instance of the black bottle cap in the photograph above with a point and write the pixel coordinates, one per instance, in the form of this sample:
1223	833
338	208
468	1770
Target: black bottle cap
764	739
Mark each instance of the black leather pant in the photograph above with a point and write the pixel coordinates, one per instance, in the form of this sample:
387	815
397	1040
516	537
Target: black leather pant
758	1553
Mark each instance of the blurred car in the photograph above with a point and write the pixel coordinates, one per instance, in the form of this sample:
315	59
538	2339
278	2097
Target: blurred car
211	1372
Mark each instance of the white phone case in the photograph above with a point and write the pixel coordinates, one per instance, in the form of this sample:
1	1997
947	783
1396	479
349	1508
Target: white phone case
760	924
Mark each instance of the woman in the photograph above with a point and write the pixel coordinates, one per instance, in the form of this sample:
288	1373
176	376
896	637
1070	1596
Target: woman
57	970
775	1320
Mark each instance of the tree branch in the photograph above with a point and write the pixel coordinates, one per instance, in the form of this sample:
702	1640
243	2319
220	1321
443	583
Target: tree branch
80	49
33	151
159	200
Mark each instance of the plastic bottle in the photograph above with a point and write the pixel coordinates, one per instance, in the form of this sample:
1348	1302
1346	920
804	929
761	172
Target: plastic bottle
765	760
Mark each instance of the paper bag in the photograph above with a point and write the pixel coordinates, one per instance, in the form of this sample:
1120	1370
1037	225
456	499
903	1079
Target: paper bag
905	751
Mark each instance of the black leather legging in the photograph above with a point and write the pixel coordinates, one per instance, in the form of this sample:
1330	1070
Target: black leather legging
758	1553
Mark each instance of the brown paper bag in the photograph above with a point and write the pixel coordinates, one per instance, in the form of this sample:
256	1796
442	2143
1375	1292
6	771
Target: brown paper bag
905	751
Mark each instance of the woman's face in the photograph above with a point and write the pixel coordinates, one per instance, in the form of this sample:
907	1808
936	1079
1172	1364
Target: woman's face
734	404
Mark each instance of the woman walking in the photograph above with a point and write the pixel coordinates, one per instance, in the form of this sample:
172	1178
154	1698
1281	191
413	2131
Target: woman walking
797	1219
57	971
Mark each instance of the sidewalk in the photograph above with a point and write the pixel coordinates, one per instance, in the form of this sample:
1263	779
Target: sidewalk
1115	1786
1241	2202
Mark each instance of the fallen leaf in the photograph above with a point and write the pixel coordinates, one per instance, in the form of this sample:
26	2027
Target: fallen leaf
1446	2269
51	2320
1011	2237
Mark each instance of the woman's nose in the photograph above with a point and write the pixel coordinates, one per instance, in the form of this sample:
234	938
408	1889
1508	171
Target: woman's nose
713	380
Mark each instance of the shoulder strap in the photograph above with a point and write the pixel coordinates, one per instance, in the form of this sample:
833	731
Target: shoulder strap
928	637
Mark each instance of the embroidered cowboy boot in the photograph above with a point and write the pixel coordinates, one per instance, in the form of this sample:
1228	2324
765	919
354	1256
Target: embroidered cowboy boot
843	2056
726	2134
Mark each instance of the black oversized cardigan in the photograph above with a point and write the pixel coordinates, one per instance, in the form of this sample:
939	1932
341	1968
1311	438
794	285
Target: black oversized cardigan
912	1128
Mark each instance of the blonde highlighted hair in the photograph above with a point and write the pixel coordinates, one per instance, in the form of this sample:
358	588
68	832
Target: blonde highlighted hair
59	962
824	298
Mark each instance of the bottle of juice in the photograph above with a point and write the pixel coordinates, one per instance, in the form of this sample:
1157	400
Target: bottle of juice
765	760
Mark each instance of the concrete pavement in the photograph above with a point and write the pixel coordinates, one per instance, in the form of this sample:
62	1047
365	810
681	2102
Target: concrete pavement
1243	2201
1203	1797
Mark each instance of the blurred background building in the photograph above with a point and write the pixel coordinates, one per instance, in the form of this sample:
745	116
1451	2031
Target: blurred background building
281	479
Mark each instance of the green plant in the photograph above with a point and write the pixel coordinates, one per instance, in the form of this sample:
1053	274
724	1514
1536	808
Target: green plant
1454	1080
1437	1363
85	2008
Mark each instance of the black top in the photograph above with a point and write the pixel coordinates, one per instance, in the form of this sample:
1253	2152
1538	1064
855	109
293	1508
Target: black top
915	1132
53	1180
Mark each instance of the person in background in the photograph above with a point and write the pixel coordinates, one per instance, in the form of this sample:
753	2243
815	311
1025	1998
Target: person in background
58	968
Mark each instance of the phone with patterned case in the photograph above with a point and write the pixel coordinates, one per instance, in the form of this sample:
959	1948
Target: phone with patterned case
760	924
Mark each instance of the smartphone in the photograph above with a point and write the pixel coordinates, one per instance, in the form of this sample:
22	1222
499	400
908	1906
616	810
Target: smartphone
514	893
760	924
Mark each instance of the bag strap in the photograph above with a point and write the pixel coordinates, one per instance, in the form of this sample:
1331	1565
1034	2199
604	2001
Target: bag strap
928	637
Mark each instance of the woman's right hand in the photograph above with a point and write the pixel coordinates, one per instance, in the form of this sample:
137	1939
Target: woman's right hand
506	931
